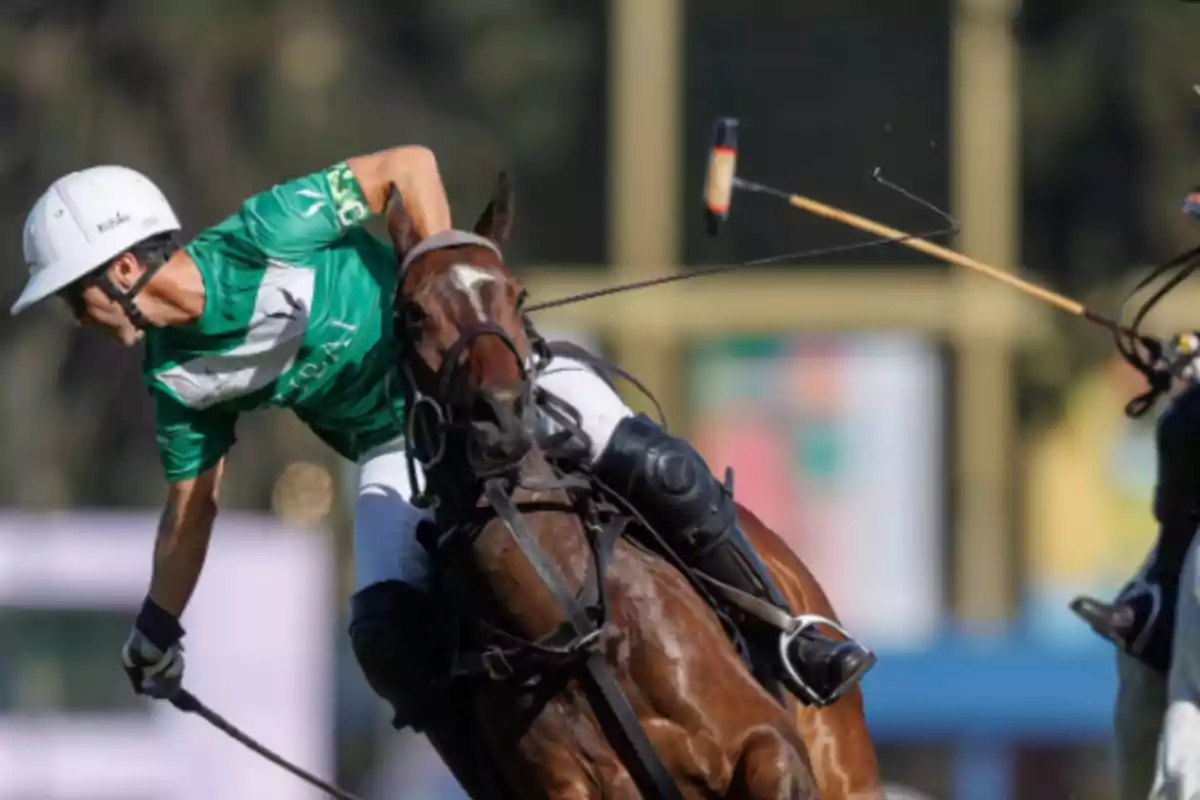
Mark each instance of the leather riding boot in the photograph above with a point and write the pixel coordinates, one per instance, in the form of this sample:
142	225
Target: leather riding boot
669	484
391	640
394	637
1141	620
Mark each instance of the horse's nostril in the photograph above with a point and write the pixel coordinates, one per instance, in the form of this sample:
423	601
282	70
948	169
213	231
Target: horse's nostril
484	409
500	406
498	433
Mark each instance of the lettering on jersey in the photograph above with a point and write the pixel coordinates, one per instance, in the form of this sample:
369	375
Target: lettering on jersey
315	368
276	327
343	190
468	278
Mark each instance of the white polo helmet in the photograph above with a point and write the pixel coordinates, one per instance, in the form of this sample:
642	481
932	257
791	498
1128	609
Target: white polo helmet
84	219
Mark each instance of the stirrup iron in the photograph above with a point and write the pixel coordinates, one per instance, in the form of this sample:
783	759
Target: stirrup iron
800	624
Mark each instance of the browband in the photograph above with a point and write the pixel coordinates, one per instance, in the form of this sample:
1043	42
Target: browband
447	238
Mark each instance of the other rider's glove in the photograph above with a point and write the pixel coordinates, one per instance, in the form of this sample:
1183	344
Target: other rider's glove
153	653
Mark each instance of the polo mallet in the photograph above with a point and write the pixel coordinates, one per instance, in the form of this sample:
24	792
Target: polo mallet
188	703
721	180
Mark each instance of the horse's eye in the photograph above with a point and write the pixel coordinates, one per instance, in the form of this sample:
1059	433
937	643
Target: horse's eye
414	315
521	298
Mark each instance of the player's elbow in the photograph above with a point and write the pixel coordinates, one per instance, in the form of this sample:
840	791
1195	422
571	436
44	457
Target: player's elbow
410	157
408	165
409	168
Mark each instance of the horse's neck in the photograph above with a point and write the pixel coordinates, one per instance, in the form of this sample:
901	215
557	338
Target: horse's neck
551	520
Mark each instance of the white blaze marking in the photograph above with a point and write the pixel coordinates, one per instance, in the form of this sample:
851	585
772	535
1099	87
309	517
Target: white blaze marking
467	278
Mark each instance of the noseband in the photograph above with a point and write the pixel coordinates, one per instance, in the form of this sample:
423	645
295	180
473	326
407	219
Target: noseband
427	443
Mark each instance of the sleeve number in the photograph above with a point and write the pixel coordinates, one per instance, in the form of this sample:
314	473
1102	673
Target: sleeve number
349	208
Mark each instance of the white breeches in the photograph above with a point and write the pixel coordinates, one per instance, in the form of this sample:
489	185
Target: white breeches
1158	717
385	522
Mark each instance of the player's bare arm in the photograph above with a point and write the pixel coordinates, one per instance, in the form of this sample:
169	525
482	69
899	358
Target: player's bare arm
413	170
183	535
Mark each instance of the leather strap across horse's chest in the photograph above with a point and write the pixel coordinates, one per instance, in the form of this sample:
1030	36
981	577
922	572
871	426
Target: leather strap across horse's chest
617	718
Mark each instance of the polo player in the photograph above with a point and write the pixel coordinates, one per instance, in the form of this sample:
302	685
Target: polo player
286	303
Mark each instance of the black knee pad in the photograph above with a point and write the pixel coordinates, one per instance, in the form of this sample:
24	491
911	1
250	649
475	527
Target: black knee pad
672	487
666	479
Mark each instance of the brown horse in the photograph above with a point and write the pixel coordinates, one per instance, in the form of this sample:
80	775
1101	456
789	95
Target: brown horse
582	663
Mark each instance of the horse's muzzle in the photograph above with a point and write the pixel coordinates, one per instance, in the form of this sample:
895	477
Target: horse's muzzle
503	406
499	433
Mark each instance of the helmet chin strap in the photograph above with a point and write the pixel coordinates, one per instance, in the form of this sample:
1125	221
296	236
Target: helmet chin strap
125	299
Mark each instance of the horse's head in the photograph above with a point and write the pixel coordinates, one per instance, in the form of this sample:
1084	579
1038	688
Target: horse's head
464	349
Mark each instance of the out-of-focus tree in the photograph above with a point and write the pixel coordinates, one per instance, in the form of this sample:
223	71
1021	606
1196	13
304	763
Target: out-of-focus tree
218	99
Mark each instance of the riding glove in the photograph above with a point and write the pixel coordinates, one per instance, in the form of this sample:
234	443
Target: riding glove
153	653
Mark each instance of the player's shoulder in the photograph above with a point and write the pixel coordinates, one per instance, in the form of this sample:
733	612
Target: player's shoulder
229	242
332	191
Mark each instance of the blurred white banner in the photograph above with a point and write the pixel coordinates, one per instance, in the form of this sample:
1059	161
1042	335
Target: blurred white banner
258	652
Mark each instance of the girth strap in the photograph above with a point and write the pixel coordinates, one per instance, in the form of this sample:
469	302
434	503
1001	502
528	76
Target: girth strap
617	718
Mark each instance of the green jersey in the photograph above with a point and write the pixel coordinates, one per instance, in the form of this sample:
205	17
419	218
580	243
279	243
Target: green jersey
297	315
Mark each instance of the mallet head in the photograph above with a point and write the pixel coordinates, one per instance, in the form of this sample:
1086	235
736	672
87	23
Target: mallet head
722	167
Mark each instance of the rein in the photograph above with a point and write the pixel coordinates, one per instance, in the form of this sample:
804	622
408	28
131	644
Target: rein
435	434
1159	367
507	658
876	175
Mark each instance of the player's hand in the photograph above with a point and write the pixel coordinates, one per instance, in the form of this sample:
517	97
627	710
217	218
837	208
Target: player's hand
153	653
153	672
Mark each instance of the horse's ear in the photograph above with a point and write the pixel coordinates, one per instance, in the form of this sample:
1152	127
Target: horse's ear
399	224
496	221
